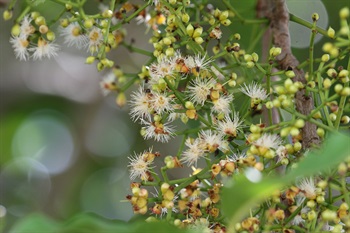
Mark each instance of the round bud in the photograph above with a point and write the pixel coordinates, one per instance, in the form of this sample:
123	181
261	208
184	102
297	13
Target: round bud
68	6
189	105
331	32
344	13
40	20
297	146
345	119
7	15
225	22
327	83
345	91
338	88
300	123
343	73
43	29
90	60
185	18
315	17
269	105
284	132
290	74
325	57
16	30
189	30
197	32
320	132
50	35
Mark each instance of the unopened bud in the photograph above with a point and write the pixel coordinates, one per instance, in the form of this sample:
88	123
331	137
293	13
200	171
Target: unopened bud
331	32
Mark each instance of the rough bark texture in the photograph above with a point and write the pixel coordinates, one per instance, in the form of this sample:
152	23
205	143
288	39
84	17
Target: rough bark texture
276	11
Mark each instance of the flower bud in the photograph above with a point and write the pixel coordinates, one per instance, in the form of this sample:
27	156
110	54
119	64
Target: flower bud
237	36
343	73
344	13
331	32
189	30
189	105
107	14
345	91
300	123
338	88
290	74
7	15
199	40
16	30
315	17
297	146
50	35
225	22
329	215
345	119
43	29
325	57
320	132
327	83
185	18
197	32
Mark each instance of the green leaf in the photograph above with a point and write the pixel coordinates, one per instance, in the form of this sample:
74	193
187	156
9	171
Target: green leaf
87	223
35	223
241	195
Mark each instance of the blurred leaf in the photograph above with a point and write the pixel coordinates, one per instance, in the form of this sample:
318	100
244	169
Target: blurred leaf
35	223
39	223
242	194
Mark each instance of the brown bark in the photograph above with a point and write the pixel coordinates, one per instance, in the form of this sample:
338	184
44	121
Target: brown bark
276	11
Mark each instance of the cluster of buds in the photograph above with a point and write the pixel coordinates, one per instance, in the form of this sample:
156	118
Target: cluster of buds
138	199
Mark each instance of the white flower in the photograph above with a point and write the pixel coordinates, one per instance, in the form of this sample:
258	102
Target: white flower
281	153
228	126
44	49
211	140
254	91
197	63
26	27
20	46
140	164
216	33
161	103
73	35
222	104
297	220
199	90
269	141
157	130
140	105
161	69
95	39
307	187
108	83
195	151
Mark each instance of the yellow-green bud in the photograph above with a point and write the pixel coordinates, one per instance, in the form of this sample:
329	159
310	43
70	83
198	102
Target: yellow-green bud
107	14
345	119
50	35
338	88
320	199
167	41
294	131
248	57
197	32
250	64
90	60
121	99
64	23
35	15
237	36
172	2
289	148
320	132
315	17
7	15
16	30
199	40
288	82
269	105
300	123
185	18
232	83
255	57
189	30
327	83
325	57
225	22
290	74
169	52
292	89
343	73
255	129
223	15
332	73
333	116
287	103
284	132
275	51
212	21
276	103
329	215
157	118
311	215
345	91
331	32
40	21
189	105
344	13
89	23
68	6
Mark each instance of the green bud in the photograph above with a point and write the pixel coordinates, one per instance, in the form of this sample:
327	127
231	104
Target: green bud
68	6
325	57
320	132
223	15
329	215
50	35
35	15
290	74
300	123
189	105
64	23
197	32
294	131
199	40
90	60
189	30
237	36
7	15
331	32
107	14
40	21
284	132
269	105
327	83
16	30
169	52
315	17
345	91
255	57
226	22
345	119
185	18
250	64
89	23
338	88
344	13
343	73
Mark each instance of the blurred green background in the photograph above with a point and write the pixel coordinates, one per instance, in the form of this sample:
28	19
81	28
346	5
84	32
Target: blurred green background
63	146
